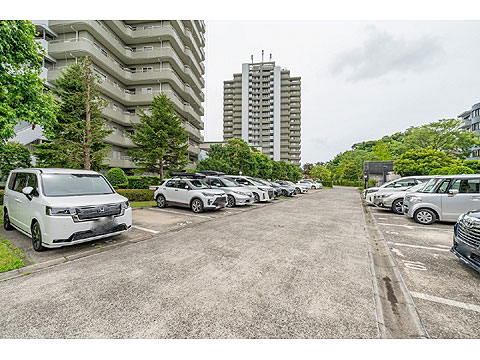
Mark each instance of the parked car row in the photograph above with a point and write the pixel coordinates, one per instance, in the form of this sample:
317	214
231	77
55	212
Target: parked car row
447	198
58	207
211	190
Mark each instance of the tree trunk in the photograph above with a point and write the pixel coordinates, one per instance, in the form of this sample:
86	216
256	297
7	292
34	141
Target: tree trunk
88	129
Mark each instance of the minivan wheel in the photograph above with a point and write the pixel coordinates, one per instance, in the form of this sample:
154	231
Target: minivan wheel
37	237
230	201
397	206
161	203
6	221
197	206
256	197
284	192
298	191
425	216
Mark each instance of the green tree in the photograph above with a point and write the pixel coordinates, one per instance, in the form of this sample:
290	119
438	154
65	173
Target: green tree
294	173
444	135
452	170
306	168
473	164
382	150
22	96
423	162
13	155
233	157
78	137
279	170
351	171
321	173
160	138
263	165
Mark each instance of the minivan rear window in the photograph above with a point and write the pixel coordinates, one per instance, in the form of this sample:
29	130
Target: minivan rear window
75	185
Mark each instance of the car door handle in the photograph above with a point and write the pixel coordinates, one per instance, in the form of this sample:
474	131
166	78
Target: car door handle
176	189
18	200
475	198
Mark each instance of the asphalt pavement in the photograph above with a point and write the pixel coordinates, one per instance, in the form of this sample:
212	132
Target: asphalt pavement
297	268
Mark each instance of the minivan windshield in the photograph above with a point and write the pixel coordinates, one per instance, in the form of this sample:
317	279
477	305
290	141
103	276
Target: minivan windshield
75	185
431	185
199	184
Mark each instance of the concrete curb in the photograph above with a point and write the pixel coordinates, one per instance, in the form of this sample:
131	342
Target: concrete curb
397	315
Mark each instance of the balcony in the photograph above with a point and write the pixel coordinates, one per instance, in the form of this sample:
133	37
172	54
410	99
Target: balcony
124	163
119	140
120	117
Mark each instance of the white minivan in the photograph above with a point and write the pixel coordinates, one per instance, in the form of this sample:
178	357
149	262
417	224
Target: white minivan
58	207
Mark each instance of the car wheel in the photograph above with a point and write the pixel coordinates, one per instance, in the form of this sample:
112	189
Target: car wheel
284	193
397	206
6	221
230	201
298	191
313	187
37	237
256	197
425	216
161	202
197	206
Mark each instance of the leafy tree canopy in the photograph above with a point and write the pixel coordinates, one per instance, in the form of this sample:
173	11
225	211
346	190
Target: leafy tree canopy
22	96
423	161
13	155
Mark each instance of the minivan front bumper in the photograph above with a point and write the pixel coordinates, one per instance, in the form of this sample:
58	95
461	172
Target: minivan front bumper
468	253
60	231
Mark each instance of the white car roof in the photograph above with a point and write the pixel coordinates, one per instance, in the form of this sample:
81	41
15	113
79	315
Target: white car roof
56	171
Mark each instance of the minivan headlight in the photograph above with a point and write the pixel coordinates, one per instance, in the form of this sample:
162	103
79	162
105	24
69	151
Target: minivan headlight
262	189
239	193
60	211
125	205
415	198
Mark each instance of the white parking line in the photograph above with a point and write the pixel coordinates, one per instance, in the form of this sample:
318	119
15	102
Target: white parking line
145	229
180	213
440	300
412	227
420	247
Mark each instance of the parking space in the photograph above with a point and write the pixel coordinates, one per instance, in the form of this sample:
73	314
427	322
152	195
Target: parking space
148	222
445	291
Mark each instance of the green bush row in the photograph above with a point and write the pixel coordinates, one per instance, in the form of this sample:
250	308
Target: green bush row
1	197
137	194
142	182
349	183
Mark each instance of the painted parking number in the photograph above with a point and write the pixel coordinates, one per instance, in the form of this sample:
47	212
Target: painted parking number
415	265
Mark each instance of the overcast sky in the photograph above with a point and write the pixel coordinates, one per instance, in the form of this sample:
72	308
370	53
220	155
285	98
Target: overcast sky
360	79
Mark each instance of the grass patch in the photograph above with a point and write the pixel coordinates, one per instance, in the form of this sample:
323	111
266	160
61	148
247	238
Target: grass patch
1	214
284	197
136	204
10	258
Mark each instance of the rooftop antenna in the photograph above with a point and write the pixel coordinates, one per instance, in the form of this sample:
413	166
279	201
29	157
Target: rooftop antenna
262	56
251	58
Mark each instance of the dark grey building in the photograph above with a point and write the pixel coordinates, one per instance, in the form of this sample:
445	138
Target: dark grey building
471	120
377	170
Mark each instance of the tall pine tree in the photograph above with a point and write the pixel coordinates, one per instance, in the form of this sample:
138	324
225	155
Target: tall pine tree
78	138
160	139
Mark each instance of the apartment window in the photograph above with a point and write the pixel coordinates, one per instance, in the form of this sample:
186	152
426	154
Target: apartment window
147	48
131	91
147	69
148	90
115	107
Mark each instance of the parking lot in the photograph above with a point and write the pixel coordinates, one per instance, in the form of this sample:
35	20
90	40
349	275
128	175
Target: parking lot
446	292
290	269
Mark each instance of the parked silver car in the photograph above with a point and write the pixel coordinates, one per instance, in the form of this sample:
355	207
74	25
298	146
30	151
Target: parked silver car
394	200
260	192
466	239
394	185
236	194
443	198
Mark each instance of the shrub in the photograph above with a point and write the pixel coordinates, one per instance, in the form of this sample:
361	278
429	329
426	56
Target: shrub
142	182
452	170
328	183
117	178
353	183
137	194
371	183
1	196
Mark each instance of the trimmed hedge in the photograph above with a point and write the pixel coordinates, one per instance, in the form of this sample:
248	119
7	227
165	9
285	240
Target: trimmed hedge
142	182
327	183
349	183
1	197
137	194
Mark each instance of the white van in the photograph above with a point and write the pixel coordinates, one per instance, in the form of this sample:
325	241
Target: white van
57	207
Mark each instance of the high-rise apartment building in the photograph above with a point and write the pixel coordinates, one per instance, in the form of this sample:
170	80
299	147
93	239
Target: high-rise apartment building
135	61
262	106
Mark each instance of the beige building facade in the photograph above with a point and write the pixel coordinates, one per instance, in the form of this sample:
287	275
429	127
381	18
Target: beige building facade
262	106
137	60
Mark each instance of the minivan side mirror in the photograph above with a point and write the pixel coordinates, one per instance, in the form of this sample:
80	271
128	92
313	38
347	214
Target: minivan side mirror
452	192
28	191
